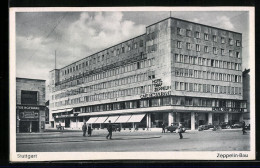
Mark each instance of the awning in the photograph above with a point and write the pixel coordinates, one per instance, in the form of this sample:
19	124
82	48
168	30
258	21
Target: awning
100	120
112	119
92	120
123	118
62	110
136	118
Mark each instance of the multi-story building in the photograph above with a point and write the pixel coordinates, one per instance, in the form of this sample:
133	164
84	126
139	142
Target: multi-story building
177	71
246	94
30	105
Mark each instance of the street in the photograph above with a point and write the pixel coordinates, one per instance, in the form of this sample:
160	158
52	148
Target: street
220	140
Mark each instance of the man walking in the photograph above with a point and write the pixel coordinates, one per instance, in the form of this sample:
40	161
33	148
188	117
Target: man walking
109	128
180	130
89	130
84	128
163	128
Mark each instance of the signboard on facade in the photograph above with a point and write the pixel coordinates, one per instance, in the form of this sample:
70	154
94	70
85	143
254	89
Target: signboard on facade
227	109
26	107
159	90
29	114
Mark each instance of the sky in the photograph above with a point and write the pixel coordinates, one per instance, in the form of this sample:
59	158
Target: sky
75	35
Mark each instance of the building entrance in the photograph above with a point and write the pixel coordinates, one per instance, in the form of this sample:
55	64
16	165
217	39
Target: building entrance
67	123
29	126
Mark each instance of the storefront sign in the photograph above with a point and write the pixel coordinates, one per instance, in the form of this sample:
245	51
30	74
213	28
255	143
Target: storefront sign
155	94
28	107
29	114
227	109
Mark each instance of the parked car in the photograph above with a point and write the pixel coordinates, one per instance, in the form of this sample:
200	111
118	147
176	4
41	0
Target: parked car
205	127
224	125
173	127
237	125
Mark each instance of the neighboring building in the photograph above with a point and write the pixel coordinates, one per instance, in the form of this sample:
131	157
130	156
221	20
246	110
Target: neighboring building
30	105
246	93
178	71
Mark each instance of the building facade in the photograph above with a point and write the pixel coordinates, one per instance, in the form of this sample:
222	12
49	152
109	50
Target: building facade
177	71
30	105
246	94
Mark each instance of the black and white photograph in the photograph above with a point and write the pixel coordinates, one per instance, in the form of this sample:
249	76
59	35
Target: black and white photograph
132	83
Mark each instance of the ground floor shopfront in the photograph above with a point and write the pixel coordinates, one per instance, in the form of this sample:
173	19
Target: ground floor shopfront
30	118
149	118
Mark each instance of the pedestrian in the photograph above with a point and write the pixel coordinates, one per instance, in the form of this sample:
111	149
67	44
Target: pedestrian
163	128
180	130
89	130
84	128
109	129
243	127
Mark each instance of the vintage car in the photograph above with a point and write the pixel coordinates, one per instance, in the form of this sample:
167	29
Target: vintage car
237	125
225	125
173	127
205	127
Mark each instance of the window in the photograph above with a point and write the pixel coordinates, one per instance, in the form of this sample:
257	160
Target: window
238	44
178	31
206	49
123	50
230	53
200	61
214	38
206	37
197	47
215	50
129	48
135	45
181	58
179	44
190	73
230	41
177	85
186	59
29	97
220	64
188	33
177	58
237	54
222	52
188	46
141	43
197	34
222	40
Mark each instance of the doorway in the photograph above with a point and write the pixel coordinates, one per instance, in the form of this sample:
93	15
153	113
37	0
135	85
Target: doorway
67	123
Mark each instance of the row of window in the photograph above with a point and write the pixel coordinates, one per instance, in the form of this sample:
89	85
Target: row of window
206	49
215	38
180	58
166	101
97	59
207	88
207	75
109	84
112	72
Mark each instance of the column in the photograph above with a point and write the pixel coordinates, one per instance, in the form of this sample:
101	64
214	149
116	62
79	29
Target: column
226	117
148	121
192	120
30	129
210	118
170	118
133	125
